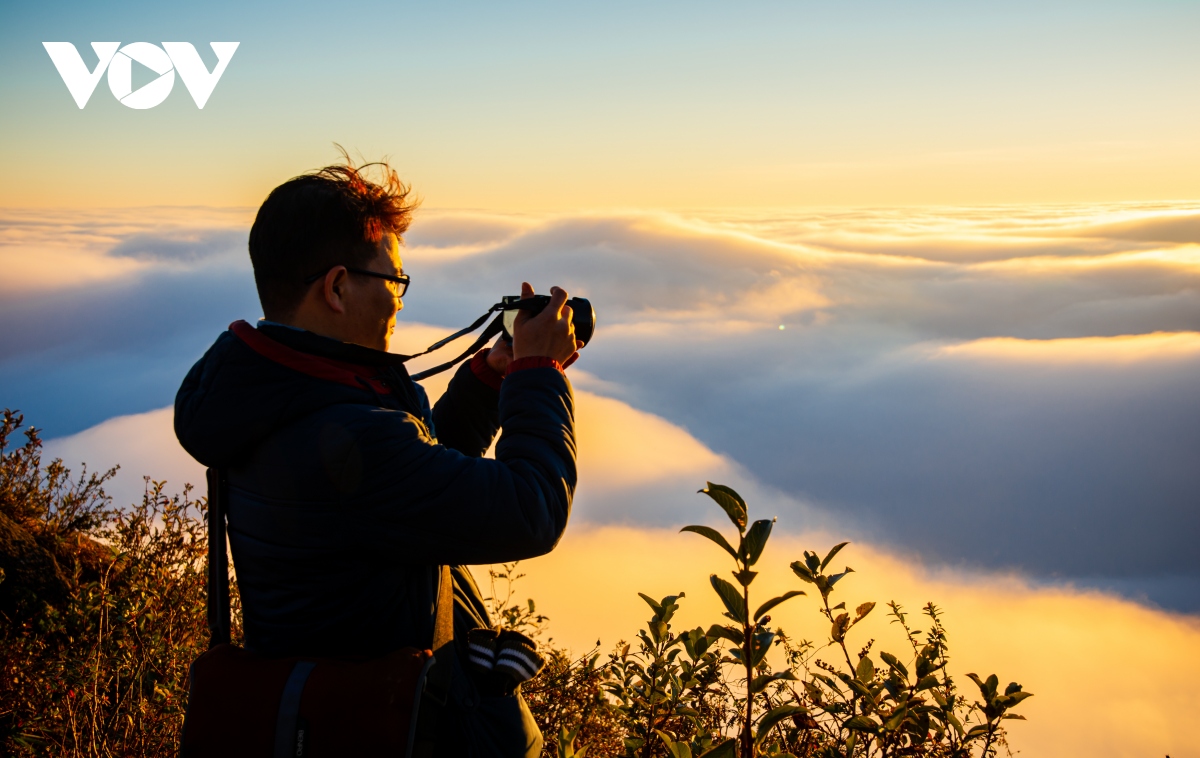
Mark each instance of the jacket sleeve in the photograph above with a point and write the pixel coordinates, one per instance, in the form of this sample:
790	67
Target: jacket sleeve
467	415
426	503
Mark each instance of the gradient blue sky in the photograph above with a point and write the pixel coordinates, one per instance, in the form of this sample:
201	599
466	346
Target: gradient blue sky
566	106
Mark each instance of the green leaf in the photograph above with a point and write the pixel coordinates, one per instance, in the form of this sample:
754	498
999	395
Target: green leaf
730	633
812	561
954	722
654	604
762	643
730	501
773	717
928	681
756	539
895	663
802	571
744	577
897	718
861	611
866	669
714	535
762	609
1008	701
988	688
734	603
670	604
1011	688
677	749
727	749
860	689
829	556
838	577
658	630
861	724
840	623
695	642
760	682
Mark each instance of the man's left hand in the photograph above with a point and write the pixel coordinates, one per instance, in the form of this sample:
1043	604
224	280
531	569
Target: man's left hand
499	356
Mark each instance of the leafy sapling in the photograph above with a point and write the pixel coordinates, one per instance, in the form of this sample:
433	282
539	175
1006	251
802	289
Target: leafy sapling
748	632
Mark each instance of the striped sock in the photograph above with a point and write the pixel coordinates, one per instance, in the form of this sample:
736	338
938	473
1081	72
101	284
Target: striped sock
517	656
481	648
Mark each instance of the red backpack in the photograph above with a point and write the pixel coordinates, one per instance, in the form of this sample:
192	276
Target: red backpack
244	706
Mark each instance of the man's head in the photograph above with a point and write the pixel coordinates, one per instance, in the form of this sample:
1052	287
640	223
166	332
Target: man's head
311	235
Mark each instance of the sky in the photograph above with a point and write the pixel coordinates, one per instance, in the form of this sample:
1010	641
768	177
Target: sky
555	106
920	276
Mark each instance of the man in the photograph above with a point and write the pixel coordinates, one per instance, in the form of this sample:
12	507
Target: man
347	492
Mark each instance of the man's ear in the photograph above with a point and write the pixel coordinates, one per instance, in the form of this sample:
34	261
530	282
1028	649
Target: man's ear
334	289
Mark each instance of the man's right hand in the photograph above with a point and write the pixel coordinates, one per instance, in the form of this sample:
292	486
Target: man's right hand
549	334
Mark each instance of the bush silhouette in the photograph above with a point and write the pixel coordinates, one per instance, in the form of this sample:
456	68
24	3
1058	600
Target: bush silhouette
713	693
101	609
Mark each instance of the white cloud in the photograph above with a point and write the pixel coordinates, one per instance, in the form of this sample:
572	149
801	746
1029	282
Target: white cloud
143	444
1024	373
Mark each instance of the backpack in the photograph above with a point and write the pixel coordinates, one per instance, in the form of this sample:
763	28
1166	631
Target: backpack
245	706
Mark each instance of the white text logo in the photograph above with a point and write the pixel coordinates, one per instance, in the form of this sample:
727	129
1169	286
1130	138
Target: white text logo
164	61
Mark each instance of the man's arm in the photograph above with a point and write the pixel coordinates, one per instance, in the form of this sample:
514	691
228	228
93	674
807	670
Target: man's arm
426	503
467	415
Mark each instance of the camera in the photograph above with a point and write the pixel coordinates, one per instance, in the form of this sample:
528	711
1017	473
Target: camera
583	315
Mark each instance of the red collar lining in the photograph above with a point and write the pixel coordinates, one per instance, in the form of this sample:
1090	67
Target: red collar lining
331	370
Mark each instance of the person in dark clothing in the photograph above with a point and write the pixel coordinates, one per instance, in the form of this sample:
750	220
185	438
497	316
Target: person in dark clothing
347	491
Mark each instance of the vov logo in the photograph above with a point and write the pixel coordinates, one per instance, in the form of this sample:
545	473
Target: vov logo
164	61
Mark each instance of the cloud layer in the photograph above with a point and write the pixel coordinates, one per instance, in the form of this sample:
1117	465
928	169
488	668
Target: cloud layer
1006	388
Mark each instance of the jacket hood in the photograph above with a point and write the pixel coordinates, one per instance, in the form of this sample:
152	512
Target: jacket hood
253	381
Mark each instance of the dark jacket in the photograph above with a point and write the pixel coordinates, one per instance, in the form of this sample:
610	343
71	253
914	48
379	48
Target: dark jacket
347	492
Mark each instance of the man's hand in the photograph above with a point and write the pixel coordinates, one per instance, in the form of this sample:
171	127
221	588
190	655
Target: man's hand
500	355
549	334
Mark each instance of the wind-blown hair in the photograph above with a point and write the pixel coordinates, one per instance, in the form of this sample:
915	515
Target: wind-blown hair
308	224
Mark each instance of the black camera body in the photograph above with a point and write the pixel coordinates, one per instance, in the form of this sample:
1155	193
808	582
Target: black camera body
583	315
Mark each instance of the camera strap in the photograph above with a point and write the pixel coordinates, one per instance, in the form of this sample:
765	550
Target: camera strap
492	330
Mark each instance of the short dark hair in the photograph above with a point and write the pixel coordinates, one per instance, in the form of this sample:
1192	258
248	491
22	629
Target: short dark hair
334	216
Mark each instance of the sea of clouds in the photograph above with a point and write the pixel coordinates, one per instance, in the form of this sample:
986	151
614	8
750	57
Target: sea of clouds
998	405
1004	388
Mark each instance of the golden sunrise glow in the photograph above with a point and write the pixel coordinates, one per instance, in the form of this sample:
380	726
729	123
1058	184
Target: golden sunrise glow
1066	646
1109	350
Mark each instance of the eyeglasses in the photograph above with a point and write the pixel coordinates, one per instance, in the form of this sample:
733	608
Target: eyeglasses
400	280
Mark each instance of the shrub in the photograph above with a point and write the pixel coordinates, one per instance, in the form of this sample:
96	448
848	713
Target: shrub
101	610
712	692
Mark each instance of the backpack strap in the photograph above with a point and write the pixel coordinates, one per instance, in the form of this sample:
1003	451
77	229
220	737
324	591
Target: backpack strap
217	601
437	685
428	728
